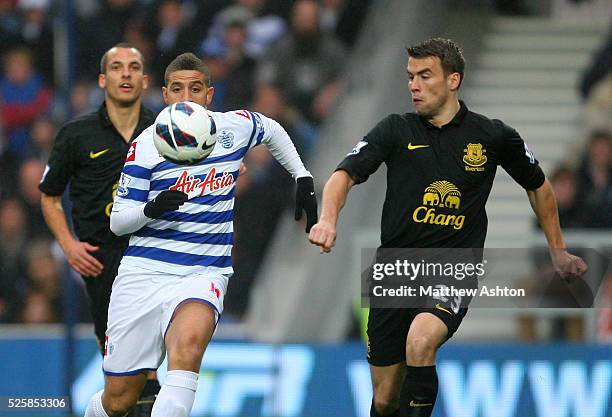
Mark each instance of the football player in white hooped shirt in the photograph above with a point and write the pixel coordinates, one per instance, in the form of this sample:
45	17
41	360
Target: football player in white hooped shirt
169	291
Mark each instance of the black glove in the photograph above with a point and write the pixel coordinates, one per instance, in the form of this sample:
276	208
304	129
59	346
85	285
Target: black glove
168	200
306	200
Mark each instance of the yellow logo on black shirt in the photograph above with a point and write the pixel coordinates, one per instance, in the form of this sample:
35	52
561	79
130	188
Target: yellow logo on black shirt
474	157
440	194
94	155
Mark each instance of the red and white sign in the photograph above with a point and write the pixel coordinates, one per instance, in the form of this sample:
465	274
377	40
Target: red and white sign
131	153
194	186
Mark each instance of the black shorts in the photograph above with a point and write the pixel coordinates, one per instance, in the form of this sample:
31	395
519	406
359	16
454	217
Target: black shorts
99	289
388	329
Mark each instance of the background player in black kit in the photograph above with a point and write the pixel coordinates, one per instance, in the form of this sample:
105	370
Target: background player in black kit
441	162
89	152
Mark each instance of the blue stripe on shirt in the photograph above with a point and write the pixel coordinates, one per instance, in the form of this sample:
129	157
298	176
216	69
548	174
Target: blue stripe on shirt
211	200
136	195
208	217
137	171
202	238
234	156
178	258
252	133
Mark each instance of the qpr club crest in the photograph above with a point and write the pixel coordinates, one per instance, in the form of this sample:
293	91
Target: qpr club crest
226	139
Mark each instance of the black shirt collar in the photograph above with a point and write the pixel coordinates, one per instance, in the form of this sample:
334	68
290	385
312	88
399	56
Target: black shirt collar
106	121
456	121
104	118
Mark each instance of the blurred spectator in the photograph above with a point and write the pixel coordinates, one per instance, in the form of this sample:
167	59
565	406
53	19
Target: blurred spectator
270	101
99	33
565	186
214	53
330	14
595	184
30	174
9	23
81	98
231	69
136	33
42	301
263	29
38	309
37	35
307	64
13	239
23	97
344	18
43	135
241	67
171	34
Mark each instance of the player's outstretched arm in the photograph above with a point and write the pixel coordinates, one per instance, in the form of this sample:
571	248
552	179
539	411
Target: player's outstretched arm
544	205
276	139
76	252
336	190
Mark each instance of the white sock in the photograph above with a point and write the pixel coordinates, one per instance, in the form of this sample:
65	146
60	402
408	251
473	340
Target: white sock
94	408
175	399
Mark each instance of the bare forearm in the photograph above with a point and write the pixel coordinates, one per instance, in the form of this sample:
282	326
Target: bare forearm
544	205
56	220
334	196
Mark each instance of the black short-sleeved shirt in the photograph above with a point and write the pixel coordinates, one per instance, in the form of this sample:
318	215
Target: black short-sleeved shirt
439	179
89	153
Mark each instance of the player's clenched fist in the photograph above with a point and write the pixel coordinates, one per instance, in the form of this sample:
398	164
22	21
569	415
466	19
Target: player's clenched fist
568	266
323	234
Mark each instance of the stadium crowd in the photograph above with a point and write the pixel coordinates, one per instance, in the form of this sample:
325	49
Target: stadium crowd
283	59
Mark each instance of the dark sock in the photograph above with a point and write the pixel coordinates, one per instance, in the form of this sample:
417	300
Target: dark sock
151	388
419	391
374	413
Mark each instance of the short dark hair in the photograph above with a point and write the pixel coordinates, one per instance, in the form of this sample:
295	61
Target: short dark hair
126	45
187	62
450	54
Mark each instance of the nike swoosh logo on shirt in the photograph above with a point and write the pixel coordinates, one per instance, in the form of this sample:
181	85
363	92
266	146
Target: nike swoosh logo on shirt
439	307
412	147
94	155
413	404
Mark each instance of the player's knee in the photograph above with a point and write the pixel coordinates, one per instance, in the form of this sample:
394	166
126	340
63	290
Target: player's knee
187	351
386	398
421	350
118	405
386	403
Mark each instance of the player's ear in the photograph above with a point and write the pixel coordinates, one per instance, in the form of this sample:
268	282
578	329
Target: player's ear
102	81
165	95
210	92
454	80
145	82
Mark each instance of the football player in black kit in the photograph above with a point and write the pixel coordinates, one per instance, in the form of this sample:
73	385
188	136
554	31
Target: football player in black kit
441	161
89	152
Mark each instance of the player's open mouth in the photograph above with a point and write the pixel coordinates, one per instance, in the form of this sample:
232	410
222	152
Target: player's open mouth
126	87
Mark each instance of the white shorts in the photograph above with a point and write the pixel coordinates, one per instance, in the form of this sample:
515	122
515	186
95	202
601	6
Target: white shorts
141	308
